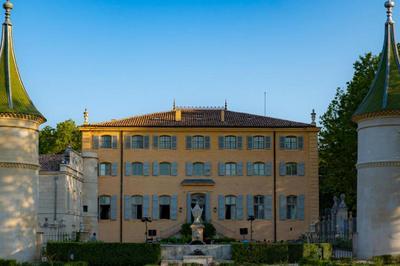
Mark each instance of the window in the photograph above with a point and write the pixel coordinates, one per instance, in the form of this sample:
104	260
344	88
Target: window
291	168
137	142
165	142
230	169
230	207
137	169
198	143
230	142
198	169
258	142
165	169
259	207
290	143
105	207
259	169
291	207
85	208
137	207
106	142
105	169
165	202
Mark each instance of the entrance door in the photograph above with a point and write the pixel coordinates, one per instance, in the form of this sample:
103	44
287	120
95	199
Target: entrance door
199	198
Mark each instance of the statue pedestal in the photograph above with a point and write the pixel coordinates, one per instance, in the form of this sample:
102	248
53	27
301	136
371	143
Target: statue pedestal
197	232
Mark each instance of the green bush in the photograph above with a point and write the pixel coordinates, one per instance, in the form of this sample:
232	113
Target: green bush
223	240
386	260
105	253
8	262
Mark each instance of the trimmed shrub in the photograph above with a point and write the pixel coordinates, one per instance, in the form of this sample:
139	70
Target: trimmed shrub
96	253
8	262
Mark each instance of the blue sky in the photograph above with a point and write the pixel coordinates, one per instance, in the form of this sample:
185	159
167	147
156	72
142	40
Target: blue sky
124	58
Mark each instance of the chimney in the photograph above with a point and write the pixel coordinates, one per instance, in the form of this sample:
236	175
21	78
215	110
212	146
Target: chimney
178	115
223	115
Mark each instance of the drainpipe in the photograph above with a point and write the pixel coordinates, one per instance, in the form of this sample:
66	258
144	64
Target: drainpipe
121	189
55	198
274	185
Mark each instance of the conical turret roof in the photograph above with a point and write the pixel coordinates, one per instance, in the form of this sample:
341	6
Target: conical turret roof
383	97
14	100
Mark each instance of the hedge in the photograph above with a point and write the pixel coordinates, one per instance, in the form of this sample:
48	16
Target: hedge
279	253
97	253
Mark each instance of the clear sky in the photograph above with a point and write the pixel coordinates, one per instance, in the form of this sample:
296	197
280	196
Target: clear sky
126	57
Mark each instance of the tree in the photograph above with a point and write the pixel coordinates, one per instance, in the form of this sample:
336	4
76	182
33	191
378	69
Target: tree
57	140
338	136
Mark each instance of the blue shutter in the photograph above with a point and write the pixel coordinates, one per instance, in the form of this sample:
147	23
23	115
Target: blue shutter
221	142
114	169
146	168
300	143
146	142
221	169
174	207
95	142
207	142
282	207
250	205
156	212
114	142
282	143
267	142
113	208
249	142
268	207
221	207
207	169
189	169
249	168
300	207
282	169
127	207
300	169
268	169
188	142
155	142
240	169
239	142
174	169
173	142
239	207
208	207
188	208
128	168
146	205
128	141
155	168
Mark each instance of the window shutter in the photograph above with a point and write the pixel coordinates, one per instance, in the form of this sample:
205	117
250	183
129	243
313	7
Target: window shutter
128	141
146	168
173	142
301	169
189	169
282	207
268	169
268	207
188	207
282	169
174	169
207	168
249	142
240	169
221	207
155	168
156	212
300	207
127	207
155	142
300	142
267	142
146	205
221	142
114	169
128	168
250	205
146	141
282	143
221	169
188	142
174	207
114	142
239	207
207	142
239	142
249	168
113	208
208	207
95	142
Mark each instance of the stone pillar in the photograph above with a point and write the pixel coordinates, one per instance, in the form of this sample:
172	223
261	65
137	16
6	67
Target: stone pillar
89	192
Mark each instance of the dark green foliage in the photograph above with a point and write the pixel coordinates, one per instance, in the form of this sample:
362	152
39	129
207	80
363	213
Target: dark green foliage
8	262
223	240
96	253
56	140
387	260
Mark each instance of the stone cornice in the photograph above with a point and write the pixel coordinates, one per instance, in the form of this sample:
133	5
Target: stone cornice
371	115
36	118
378	164
19	165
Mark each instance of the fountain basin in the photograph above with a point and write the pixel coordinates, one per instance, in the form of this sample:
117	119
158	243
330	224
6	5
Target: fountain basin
179	252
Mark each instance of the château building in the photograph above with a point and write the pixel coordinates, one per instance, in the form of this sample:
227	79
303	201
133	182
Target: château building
235	165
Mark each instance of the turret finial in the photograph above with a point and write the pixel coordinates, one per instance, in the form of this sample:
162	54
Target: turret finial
226	104
86	117
8	6
174	105
389	5
313	116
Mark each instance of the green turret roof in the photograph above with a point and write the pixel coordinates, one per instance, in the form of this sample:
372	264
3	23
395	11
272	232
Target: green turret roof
383	97
14	100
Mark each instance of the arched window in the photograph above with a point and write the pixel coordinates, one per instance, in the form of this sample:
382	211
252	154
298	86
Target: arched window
230	207
259	169
230	142
165	168
231	169
104	207
290	143
165	142
105	169
137	207
259	207
106	142
291	168
198	142
137	169
258	142
165	207
137	142
291	202
198	169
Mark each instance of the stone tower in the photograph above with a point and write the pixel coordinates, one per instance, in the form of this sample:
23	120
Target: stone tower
378	185
19	123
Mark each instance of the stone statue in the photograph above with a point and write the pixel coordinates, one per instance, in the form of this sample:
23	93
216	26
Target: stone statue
197	226
197	212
